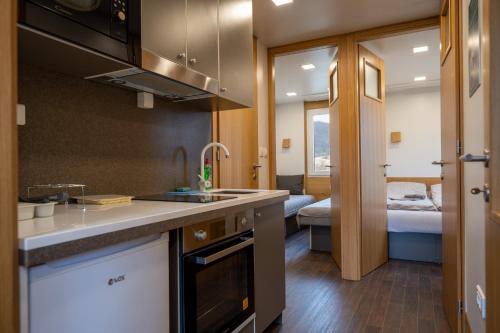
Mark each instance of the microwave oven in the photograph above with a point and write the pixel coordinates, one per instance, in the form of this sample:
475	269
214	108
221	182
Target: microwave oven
110	27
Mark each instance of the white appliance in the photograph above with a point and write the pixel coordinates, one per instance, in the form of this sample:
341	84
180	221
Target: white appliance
122	288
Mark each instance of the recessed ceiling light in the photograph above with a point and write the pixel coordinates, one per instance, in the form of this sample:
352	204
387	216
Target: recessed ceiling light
307	67
420	49
291	94
420	78
282	2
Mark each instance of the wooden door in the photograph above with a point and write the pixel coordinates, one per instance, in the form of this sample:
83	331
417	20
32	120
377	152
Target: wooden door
450	167
374	250
237	129
334	108
9	294
492	138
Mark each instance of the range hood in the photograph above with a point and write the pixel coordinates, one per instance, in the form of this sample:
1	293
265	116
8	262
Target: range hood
158	76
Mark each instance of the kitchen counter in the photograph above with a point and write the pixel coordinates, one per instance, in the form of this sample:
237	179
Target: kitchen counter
71	230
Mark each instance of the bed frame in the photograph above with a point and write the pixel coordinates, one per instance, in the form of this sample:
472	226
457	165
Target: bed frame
428	181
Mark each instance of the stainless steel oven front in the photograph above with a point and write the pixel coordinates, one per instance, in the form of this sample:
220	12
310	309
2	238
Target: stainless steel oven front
217	273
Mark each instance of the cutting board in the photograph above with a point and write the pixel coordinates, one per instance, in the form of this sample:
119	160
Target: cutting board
104	199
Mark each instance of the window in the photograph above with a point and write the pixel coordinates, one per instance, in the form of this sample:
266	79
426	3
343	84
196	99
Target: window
318	142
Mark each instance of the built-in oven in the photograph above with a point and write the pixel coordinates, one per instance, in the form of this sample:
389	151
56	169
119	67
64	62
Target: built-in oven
217	289
107	26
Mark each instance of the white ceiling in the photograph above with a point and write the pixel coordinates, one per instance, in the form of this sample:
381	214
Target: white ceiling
310	85
402	65
309	19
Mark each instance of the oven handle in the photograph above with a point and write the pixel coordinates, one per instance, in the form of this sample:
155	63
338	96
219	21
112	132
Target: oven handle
216	256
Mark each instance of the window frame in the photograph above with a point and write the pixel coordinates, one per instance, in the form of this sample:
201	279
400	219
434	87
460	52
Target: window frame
310	113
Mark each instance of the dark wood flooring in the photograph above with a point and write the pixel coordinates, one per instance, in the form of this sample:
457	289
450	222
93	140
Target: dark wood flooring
400	296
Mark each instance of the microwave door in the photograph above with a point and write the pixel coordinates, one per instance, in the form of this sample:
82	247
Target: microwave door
81	5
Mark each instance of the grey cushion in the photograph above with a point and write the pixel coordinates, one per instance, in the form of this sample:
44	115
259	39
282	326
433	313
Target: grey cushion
294	184
296	202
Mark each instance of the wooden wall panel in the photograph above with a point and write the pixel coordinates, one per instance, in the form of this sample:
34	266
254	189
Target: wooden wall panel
9	303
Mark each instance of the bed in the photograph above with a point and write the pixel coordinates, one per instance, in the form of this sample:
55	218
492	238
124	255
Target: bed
318	217
295	185
414	226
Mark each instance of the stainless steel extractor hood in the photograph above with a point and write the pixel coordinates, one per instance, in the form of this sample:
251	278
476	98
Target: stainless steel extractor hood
164	78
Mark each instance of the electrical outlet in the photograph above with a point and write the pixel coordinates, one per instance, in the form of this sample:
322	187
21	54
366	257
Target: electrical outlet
481	301
21	114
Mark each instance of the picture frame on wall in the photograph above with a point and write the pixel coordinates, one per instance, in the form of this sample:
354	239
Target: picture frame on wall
474	43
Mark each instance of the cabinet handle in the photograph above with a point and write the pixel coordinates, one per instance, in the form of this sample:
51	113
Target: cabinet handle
181	55
193	61
223	89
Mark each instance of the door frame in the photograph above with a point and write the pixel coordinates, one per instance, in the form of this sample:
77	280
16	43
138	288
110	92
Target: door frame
350	190
9	302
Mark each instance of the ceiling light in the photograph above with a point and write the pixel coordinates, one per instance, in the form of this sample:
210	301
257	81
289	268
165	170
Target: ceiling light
307	67
420	49
291	94
282	2
419	78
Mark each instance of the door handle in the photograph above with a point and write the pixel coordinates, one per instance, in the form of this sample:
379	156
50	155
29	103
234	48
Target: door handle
255	166
385	165
331	166
485	191
477	158
441	163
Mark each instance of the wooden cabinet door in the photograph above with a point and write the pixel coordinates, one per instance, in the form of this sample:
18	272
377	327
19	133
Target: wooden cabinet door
203	37
235	33
450	170
167	20
374	250
269	264
334	107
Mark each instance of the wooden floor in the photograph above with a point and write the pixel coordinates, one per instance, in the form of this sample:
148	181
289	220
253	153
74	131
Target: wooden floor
401	296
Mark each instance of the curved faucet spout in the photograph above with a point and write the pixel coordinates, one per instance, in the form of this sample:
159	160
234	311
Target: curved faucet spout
204	151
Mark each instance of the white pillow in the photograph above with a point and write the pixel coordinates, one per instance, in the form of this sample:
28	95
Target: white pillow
404	190
436	195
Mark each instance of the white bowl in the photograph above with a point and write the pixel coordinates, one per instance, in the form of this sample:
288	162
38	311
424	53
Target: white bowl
25	210
45	209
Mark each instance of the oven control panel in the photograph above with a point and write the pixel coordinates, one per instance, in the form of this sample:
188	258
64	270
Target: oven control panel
207	232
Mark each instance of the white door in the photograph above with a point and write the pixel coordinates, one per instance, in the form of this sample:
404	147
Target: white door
474	205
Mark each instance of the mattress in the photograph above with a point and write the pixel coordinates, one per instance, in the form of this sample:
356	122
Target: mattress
318	209
296	202
414	221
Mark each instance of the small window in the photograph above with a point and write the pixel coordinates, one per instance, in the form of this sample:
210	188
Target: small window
318	142
372	81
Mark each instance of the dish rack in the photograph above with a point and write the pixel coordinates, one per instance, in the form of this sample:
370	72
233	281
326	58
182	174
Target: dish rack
59	187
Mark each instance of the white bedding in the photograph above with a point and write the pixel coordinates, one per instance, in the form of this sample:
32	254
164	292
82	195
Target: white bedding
318	209
414	221
416	205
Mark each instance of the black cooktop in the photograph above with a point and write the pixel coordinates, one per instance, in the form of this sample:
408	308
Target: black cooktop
196	198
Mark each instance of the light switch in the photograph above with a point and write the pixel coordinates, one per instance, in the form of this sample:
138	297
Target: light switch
481	301
21	114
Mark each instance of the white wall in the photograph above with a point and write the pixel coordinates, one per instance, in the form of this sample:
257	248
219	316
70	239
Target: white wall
474	221
290	124
262	108
416	113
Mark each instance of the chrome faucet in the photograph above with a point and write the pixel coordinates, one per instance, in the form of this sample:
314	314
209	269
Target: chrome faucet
204	184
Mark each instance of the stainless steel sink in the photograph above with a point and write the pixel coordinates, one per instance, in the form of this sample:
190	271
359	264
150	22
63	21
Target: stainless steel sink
233	192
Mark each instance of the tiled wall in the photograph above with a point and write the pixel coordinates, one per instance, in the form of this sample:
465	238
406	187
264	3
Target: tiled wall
83	132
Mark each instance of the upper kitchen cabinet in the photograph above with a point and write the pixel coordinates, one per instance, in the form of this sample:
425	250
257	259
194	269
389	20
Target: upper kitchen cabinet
202	36
164	28
236	52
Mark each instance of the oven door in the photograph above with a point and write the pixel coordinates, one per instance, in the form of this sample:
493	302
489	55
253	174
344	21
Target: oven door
219	286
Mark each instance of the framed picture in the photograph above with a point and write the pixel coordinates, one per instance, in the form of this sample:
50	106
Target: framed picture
474	43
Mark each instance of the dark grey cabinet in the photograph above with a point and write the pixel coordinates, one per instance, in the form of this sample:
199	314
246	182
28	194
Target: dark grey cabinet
236	51
269	264
202	36
167	19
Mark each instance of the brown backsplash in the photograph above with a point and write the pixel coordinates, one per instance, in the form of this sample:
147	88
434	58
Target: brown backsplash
83	132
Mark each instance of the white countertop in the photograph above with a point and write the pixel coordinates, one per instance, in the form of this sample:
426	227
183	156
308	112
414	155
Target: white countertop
72	223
